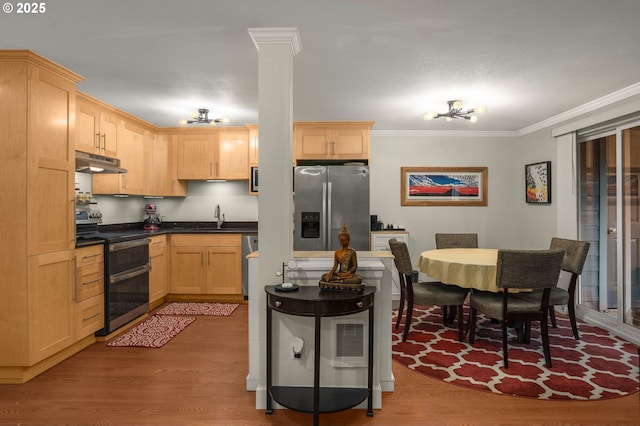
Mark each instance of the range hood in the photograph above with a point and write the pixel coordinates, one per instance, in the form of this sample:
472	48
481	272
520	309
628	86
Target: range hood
97	164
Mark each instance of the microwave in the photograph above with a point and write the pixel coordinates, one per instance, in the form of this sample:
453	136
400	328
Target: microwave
254	179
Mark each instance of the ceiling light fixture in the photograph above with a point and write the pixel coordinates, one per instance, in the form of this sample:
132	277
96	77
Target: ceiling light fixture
456	111
202	117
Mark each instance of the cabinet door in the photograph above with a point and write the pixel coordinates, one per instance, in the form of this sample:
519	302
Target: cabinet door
195	156
188	270
135	153
232	159
224	270
350	144
159	273
87	126
109	138
253	145
50	206
312	143
51	306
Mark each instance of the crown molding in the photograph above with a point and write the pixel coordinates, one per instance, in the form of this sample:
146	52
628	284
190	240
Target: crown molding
276	36
446	133
604	101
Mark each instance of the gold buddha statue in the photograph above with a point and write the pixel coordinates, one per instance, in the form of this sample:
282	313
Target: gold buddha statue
345	262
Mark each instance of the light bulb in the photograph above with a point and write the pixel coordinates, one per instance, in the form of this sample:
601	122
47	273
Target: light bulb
456	105
480	109
429	116
182	122
473	119
224	120
449	119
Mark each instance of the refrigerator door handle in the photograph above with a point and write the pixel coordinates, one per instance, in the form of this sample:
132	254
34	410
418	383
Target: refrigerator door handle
323	220
329	219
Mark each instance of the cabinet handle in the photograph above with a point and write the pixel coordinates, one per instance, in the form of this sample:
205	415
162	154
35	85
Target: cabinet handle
92	281
104	141
97	138
91	255
277	303
92	316
359	304
75	278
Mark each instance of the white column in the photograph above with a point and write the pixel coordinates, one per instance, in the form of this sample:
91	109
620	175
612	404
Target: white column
276	49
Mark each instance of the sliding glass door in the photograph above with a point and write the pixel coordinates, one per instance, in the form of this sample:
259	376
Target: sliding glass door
609	205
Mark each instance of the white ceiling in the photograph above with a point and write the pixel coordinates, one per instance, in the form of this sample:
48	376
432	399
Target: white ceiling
388	61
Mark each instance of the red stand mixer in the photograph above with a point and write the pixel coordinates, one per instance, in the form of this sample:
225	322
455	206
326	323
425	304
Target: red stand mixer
152	222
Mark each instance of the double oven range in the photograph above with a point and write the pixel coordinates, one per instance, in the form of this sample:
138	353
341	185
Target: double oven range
126	292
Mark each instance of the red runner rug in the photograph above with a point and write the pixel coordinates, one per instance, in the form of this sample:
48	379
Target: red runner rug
198	308
153	332
598	366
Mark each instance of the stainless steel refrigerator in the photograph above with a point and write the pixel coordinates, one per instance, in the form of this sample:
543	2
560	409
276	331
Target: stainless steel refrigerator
326	197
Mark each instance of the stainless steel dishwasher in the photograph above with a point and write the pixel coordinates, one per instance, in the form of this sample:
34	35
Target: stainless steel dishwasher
249	245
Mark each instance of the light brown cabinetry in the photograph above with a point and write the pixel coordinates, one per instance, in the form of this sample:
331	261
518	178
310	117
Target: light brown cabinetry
206	264
253	144
89	291
159	273
213	153
165	168
97	127
332	140
50	325
37	111
136	155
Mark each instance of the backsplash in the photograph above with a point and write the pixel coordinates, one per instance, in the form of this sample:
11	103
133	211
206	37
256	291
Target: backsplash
198	206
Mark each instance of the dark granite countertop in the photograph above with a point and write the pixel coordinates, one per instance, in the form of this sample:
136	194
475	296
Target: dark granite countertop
174	228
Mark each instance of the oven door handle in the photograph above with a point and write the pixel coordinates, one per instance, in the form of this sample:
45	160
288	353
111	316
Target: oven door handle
129	274
129	244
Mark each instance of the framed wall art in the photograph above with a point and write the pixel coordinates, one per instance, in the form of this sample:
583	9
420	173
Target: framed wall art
538	182
444	186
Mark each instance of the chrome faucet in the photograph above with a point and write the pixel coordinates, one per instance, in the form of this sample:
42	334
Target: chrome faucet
217	215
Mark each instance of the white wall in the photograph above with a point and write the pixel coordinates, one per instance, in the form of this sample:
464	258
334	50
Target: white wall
499	224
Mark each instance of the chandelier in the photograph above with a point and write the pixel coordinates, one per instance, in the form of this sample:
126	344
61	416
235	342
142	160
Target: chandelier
456	111
202	117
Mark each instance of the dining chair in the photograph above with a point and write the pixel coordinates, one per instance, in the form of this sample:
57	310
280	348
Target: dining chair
519	270
424	293
459	240
575	255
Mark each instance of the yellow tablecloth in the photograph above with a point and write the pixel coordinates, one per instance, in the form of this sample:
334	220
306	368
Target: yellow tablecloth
464	267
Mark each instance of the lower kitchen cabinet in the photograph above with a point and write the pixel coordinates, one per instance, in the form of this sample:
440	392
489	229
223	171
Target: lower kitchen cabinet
159	273
89	291
206	264
51	305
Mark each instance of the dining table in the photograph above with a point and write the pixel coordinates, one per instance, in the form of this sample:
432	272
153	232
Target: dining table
473	268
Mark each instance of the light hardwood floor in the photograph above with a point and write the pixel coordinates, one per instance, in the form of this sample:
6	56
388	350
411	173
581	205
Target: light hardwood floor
199	379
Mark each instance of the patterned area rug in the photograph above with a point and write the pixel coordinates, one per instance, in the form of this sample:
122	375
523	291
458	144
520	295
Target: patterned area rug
598	366
198	308
154	332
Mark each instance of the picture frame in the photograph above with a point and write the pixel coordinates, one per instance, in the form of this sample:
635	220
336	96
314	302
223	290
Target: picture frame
444	186
538	183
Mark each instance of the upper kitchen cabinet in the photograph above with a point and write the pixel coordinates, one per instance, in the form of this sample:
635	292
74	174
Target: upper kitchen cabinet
136	156
332	140
212	153
96	127
37	112
253	144
166	168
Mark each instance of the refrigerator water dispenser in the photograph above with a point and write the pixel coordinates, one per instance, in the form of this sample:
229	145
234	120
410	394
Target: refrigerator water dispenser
310	224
